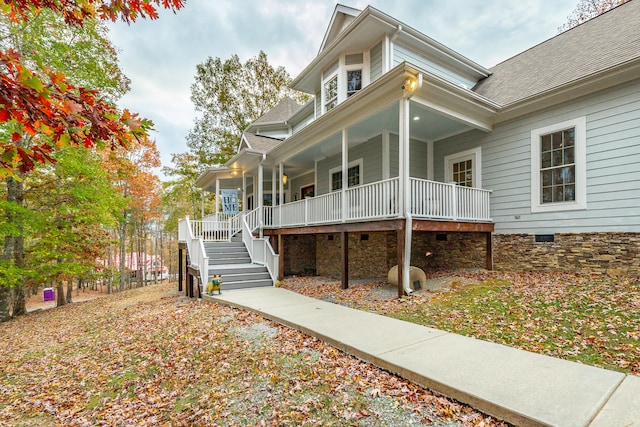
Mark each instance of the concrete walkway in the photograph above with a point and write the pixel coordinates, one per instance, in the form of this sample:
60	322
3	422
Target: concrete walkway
514	385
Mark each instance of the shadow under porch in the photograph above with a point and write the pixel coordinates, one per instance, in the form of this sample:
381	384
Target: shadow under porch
370	249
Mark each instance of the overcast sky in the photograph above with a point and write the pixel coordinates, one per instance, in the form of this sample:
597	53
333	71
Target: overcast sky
160	56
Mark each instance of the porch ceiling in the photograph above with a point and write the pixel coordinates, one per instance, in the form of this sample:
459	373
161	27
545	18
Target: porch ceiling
425	125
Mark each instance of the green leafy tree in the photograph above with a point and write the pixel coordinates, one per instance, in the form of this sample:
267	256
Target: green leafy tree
72	58
77	204
230	95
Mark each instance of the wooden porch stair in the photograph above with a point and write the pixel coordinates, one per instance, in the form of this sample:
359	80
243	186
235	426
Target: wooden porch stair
232	261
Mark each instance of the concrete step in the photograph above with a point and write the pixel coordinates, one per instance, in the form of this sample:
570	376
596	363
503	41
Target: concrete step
246	284
237	269
228	254
225	261
244	277
223	245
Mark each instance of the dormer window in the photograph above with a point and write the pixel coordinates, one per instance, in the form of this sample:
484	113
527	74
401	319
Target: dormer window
354	82
346	76
353	66
331	93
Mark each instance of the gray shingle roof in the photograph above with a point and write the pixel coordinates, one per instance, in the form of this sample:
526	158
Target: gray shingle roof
604	42
280	113
262	144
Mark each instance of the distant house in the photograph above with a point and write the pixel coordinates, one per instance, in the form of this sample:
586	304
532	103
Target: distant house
141	264
408	147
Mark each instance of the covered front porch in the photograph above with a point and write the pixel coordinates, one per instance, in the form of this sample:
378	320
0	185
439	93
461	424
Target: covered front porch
383	156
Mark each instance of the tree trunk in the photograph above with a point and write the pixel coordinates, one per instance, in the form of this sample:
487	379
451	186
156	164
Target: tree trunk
13	250
69	291
5	294
19	302
123	234
60	299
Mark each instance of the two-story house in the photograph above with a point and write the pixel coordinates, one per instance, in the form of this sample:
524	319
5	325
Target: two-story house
408	146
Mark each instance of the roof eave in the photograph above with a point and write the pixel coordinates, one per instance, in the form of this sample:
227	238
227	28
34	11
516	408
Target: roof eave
613	76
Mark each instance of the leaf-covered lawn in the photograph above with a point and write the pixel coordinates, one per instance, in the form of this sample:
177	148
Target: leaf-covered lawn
150	357
592	320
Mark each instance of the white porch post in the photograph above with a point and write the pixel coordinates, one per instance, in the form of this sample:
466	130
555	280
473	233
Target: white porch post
405	188
345	171
280	191
217	196
273	186
386	155
244	192
260	197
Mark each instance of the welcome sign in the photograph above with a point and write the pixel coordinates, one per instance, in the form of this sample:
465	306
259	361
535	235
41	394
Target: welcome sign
229	201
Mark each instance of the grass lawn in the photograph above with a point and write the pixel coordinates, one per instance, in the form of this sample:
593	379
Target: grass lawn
151	357
591	320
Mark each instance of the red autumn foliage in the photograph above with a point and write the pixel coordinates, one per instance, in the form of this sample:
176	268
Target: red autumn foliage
44	110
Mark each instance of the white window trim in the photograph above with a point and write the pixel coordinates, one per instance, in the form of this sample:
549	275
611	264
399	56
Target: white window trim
353	163
580	125
326	80
341	73
475	154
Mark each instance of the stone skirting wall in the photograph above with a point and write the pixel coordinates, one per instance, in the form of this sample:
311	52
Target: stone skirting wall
603	253
371	255
299	254
367	255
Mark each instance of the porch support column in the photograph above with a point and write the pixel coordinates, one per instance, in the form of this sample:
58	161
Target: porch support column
489	250
260	197
180	268
274	191
405	192
217	195
386	164
280	257
244	192
400	243
345	171
280	192
344	259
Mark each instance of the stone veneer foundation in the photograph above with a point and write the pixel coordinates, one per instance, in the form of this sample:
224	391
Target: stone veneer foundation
371	255
615	254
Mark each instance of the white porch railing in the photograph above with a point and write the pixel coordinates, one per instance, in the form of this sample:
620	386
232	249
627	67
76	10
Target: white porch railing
260	249
380	200
195	247
430	199
220	230
372	201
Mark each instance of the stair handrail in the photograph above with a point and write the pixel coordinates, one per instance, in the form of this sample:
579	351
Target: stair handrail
260	249
234	225
195	249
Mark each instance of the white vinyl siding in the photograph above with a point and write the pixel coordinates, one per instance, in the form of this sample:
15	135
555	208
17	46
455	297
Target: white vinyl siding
376	62
612	159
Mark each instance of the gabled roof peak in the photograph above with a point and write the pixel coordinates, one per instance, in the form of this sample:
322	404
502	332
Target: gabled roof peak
341	18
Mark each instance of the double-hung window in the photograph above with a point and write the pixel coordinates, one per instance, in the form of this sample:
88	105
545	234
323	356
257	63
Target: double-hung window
558	169
330	92
354	176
